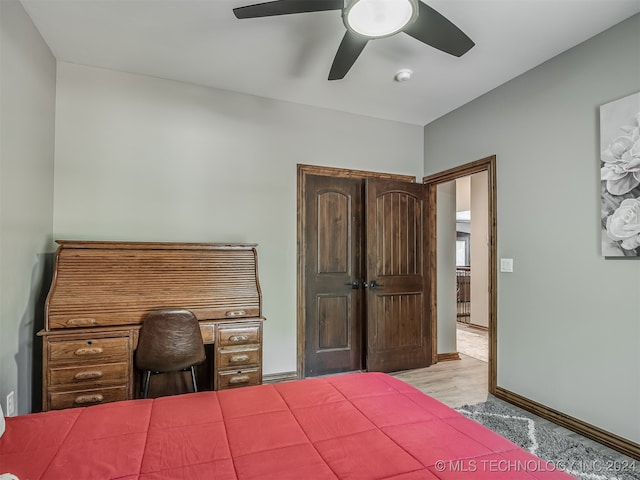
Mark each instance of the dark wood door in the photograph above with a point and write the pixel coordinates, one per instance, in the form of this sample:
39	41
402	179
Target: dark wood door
398	327
333	262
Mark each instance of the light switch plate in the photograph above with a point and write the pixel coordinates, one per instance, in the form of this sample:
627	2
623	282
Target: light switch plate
506	264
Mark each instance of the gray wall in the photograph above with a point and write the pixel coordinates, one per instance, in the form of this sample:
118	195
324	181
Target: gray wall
446	271
27	79
568	319
479	249
140	158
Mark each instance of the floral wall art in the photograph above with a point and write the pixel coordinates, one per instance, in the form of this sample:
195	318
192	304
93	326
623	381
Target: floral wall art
620	177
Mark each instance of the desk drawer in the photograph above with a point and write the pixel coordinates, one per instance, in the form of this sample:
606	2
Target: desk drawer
85	398
102	373
238	357
239	378
230	336
99	350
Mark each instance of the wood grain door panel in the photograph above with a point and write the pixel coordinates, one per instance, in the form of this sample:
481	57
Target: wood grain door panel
397	322
334	322
333	309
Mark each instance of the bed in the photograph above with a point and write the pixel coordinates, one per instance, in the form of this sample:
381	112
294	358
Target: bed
353	426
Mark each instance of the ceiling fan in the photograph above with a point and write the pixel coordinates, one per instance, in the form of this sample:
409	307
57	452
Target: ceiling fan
370	19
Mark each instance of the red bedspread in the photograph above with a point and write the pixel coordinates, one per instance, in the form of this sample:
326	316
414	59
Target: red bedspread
357	426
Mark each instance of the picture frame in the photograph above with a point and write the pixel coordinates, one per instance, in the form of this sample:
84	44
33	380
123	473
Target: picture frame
620	177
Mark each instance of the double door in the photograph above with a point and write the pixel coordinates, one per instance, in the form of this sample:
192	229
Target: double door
365	289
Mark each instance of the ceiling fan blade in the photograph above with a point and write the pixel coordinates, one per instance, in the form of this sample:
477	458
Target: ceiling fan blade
348	52
435	30
286	7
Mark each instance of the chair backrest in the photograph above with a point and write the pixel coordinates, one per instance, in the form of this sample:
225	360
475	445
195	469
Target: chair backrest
169	340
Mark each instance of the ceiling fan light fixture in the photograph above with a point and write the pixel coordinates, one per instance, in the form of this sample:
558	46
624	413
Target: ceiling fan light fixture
379	18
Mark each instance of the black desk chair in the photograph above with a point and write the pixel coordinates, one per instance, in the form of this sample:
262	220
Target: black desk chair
169	341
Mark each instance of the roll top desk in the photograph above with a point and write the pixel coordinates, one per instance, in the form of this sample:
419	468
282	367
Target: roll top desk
101	292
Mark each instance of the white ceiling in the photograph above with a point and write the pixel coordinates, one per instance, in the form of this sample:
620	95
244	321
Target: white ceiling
288	57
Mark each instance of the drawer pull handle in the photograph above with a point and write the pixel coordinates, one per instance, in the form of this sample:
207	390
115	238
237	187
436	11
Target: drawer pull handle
89	399
239	358
89	351
239	379
81	321
238	338
89	375
235	313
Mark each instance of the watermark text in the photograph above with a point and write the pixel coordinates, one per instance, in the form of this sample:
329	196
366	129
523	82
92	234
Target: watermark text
535	465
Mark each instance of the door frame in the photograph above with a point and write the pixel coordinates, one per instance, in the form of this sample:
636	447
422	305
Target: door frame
487	164
302	171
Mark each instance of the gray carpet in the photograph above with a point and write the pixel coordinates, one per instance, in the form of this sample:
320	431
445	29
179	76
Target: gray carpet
563	451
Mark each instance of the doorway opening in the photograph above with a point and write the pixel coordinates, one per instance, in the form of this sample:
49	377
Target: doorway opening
461	290
471	262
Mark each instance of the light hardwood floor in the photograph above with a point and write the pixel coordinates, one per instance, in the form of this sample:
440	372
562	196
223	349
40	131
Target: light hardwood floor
455	382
